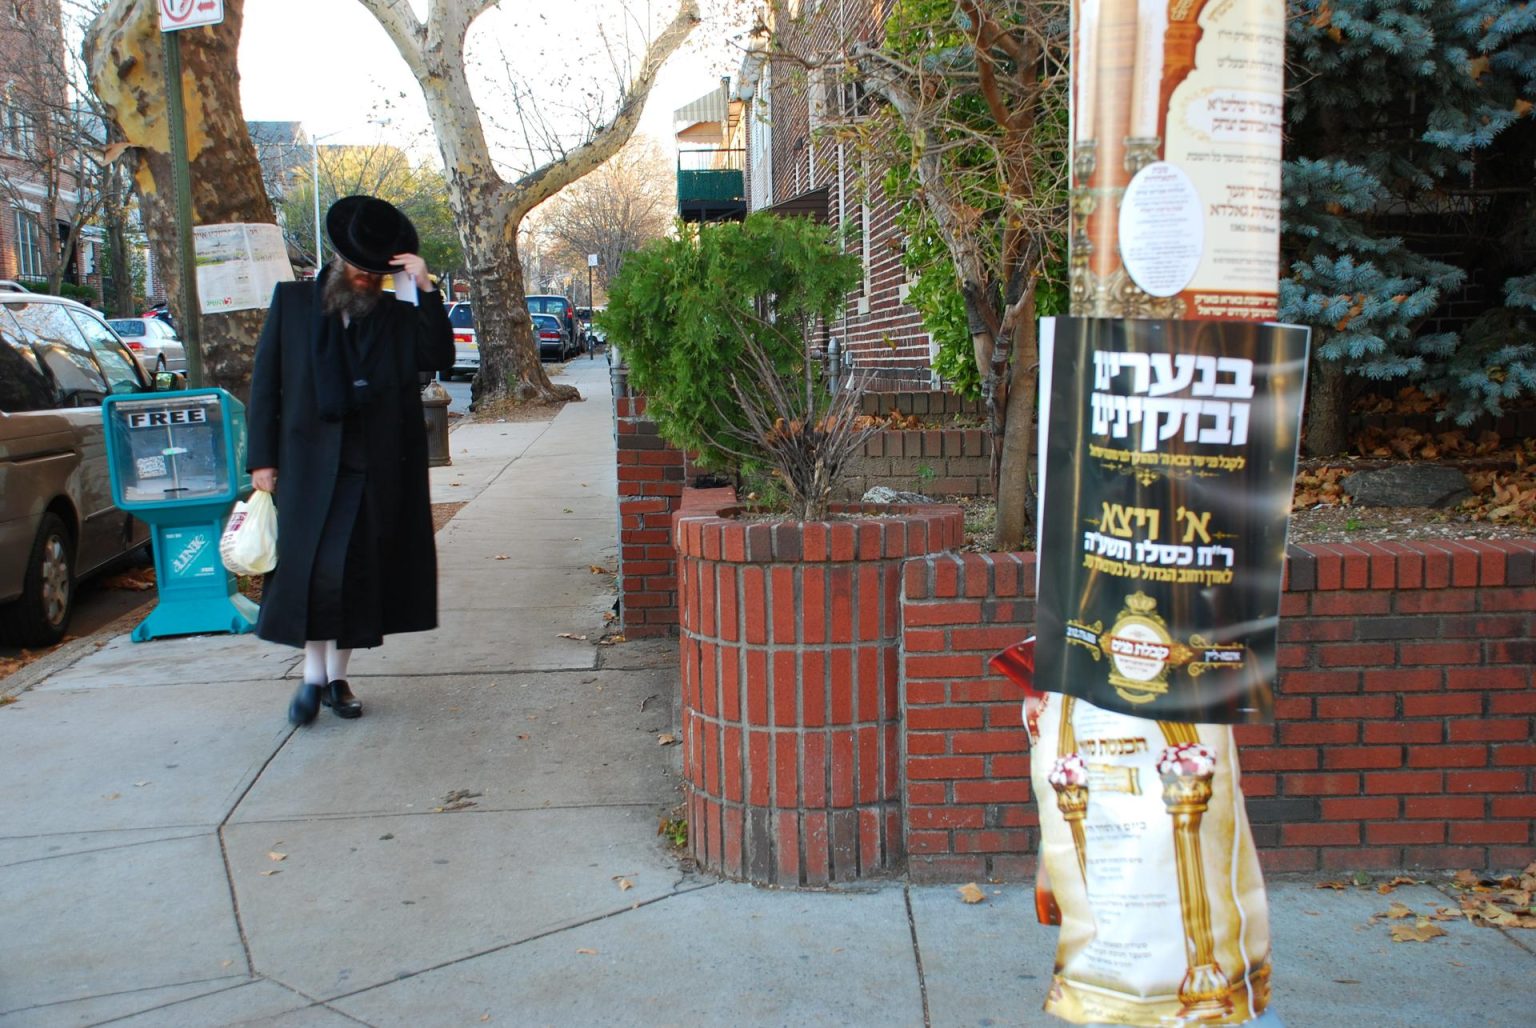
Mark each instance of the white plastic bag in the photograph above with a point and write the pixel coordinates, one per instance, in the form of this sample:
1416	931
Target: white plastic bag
249	543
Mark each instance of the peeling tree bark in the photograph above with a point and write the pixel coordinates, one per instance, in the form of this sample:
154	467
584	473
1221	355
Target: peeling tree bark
487	208
125	58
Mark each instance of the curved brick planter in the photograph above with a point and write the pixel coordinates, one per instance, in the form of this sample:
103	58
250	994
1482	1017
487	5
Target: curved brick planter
790	649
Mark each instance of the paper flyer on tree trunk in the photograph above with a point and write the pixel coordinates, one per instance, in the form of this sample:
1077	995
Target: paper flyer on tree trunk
1169	456
239	265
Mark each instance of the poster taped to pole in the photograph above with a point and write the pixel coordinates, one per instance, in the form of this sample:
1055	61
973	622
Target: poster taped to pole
1169	457
1177	118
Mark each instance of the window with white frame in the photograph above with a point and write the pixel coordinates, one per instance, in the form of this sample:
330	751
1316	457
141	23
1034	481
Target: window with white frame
29	246
17	133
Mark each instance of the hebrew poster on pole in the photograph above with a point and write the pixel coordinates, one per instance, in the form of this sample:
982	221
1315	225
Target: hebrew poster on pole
1177	119
1168	456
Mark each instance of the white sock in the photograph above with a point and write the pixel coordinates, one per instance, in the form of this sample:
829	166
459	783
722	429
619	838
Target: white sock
314	662
336	662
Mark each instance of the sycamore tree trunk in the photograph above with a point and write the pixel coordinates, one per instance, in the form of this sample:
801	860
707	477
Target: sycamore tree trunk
120	301
125	58
487	208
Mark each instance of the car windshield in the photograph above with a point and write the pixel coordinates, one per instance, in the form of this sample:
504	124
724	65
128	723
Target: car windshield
462	316
126	327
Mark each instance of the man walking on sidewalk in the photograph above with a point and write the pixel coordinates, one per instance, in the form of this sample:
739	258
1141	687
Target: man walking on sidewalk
336	410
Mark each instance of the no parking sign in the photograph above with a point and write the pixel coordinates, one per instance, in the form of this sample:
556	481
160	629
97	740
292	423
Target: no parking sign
189	14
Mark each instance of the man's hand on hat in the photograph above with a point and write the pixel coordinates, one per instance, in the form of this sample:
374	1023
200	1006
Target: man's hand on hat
411	264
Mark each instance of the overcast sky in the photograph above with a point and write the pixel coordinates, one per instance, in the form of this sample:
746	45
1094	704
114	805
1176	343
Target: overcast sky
329	64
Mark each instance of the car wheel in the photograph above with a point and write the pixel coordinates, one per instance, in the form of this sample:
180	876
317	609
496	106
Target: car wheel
41	614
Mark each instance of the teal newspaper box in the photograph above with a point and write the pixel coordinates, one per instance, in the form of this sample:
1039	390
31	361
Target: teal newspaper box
177	463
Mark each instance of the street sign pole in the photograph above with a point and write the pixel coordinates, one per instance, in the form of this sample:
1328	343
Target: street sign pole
181	187
176	15
591	308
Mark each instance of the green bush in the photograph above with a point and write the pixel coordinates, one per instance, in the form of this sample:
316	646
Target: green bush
68	290
697	317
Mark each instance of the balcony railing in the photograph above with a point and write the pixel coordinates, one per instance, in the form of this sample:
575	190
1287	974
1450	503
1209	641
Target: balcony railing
710	185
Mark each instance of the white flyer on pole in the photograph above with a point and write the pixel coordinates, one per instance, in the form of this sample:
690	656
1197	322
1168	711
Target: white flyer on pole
238	265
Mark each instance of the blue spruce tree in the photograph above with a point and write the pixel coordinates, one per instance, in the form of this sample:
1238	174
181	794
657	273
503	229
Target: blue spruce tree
1409	181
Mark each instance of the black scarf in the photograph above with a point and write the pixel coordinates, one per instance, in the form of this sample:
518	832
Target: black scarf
344	358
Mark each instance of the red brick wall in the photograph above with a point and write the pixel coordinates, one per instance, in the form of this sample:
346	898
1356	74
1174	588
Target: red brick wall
935	462
1404	712
651	479
789	691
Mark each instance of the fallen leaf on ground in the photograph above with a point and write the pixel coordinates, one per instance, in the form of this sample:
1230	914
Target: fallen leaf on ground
274	855
587	952
624	883
969	893
1331	885
1397	911
1420	931
598	569
1496	915
269	874
666	739
573	635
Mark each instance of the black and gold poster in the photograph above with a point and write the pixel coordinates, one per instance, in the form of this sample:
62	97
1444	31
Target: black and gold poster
1168	454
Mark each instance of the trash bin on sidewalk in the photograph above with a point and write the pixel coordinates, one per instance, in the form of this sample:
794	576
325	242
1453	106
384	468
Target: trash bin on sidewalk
434	406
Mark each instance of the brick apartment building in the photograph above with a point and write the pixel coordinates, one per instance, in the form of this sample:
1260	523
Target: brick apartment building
772	127
39	130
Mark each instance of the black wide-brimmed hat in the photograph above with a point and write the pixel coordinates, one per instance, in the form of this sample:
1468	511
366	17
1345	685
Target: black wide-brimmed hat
368	232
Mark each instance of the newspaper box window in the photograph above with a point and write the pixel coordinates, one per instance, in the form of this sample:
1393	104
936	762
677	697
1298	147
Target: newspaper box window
174	448
177	463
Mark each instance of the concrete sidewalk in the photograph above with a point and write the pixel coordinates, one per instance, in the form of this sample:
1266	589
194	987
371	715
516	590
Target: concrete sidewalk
482	846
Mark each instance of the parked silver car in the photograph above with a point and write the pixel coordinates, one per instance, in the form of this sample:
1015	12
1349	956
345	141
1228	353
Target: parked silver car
58	359
154	342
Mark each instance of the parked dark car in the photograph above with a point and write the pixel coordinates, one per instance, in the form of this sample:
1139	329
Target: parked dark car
563	310
161	311
554	342
58	360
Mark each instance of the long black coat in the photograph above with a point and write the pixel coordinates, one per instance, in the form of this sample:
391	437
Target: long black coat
286	433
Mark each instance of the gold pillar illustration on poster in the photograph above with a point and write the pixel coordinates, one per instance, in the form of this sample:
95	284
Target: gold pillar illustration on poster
1176	136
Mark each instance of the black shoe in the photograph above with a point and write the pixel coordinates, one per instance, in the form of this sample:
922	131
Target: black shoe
338	696
305	704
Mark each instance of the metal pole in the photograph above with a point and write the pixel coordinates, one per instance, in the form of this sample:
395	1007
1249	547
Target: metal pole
591	312
314	187
181	185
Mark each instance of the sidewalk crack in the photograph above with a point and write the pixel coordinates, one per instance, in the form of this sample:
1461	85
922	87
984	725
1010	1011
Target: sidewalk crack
595	919
917	956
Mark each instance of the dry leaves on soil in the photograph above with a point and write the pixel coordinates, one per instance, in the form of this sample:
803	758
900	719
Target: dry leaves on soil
1503	479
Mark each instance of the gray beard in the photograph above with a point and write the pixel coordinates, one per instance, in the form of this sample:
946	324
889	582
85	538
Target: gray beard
338	296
